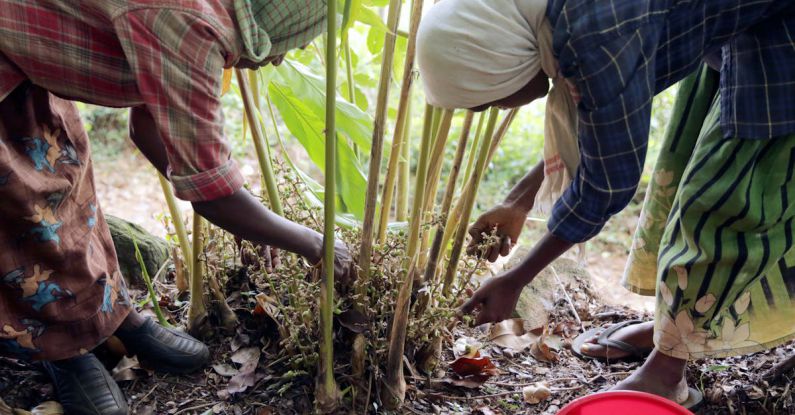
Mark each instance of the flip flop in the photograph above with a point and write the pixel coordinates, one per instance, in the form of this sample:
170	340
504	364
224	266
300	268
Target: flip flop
635	353
694	400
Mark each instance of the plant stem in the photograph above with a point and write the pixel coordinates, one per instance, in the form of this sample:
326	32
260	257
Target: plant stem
436	247
346	47
197	313
434	173
468	199
379	124
176	219
401	134
260	142
454	218
149	287
473	151
419	187
404	172
437	157
393	391
326	391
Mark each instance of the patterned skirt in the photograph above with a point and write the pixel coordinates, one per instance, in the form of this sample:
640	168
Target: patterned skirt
715	235
61	292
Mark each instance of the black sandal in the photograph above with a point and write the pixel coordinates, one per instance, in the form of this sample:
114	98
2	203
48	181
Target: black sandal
635	353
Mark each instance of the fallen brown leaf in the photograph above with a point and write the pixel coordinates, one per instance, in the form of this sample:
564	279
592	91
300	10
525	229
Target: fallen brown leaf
127	369
473	372
248	359
466	366
541	351
511	334
536	393
226	370
48	408
354	321
266	306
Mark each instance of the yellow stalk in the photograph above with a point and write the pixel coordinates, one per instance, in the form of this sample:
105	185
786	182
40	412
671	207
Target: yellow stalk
468	200
260	143
379	124
401	134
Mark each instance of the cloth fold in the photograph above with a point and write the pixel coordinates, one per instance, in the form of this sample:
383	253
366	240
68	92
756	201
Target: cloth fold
474	52
269	28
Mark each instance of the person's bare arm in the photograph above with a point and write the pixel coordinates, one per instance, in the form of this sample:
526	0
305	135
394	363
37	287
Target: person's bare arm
143	132
522	195
496	299
508	217
240	213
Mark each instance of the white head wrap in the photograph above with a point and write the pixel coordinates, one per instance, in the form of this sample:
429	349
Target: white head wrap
472	52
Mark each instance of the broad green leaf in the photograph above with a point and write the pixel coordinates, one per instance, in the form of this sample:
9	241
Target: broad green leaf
375	40
352	122
361	98
347	21
316	194
369	17
296	93
376	3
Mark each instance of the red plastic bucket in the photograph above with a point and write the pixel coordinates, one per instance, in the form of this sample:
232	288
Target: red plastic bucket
623	403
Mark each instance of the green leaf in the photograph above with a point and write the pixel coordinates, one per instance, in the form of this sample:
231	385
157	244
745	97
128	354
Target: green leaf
376	3
300	99
369	17
315	195
375	40
361	97
352	122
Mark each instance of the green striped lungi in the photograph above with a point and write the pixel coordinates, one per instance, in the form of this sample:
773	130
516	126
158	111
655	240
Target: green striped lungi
715	236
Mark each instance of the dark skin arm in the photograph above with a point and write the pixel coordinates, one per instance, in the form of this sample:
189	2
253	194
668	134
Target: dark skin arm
507	218
496	299
240	213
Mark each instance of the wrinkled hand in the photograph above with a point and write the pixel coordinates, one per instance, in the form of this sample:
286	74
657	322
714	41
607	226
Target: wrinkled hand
268	255
508	222
495	299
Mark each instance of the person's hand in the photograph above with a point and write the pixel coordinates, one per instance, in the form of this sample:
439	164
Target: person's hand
344	271
495	300
259	255
507	220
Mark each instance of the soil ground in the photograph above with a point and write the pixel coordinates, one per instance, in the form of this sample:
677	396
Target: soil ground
128	189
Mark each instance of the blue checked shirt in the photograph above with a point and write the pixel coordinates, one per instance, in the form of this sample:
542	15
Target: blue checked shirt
620	53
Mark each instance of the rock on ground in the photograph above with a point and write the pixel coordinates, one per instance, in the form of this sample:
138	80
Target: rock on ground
154	250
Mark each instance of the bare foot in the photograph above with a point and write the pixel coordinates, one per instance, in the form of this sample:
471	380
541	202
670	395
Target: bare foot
660	375
639	335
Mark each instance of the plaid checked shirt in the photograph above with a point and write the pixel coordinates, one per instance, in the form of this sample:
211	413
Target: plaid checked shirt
620	53
165	54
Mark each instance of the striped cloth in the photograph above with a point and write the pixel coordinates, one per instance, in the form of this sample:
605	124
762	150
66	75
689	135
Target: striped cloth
726	281
165	54
620	53
725	288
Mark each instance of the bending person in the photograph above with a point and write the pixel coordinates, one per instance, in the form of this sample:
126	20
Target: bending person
61	292
731	221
